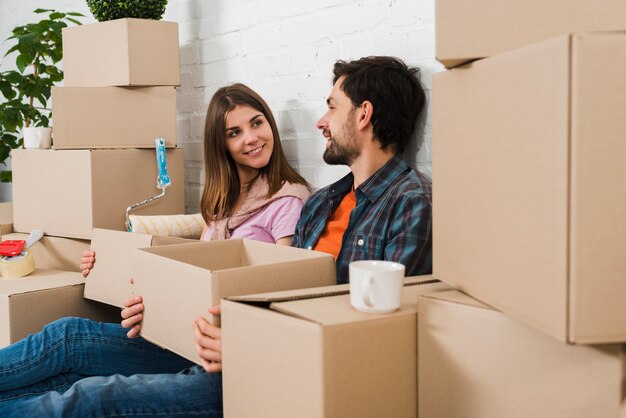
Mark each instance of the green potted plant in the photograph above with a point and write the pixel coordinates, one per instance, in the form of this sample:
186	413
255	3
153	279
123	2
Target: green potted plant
104	10
27	90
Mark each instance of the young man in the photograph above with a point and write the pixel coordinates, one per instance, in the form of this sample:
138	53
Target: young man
382	209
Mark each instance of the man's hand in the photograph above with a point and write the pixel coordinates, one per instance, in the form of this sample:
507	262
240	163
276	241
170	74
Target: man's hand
87	260
132	314
209	342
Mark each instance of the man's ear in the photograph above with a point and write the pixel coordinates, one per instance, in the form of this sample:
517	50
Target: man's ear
364	118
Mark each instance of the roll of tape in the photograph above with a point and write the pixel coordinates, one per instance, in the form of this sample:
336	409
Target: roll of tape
19	266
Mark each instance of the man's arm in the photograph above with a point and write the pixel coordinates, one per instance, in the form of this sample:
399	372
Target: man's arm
410	235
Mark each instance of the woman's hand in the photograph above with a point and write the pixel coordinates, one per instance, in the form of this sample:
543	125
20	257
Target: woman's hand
132	314
87	261
209	342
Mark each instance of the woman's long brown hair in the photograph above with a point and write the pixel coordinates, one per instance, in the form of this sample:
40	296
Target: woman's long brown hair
221	182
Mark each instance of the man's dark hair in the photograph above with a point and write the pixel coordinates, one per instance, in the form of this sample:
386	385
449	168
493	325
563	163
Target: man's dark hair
393	88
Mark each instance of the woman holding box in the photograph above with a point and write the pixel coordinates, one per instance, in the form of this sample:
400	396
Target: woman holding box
80	367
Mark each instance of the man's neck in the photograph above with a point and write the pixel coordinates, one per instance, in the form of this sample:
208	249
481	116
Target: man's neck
368	163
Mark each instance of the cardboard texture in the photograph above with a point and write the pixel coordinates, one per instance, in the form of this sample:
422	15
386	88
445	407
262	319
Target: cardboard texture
530	200
6	218
507	25
316	356
68	193
55	253
28	303
90	117
180	282
109	280
475	362
123	52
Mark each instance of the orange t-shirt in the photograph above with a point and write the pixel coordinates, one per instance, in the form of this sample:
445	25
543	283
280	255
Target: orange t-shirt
332	236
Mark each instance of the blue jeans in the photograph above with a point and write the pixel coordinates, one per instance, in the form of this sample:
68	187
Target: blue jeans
78	367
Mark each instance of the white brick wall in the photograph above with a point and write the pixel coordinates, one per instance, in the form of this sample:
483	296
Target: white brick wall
284	49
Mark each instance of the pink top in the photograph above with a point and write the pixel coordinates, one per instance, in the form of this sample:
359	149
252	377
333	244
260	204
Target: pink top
275	221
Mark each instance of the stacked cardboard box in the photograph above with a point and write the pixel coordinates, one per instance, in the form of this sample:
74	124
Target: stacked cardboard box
119	95
528	213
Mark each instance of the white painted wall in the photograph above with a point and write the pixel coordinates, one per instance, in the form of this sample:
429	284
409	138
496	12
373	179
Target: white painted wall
284	49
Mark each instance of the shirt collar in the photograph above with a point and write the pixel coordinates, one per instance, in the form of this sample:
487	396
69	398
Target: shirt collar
378	182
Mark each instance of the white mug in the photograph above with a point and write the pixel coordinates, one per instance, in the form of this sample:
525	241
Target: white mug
38	137
376	286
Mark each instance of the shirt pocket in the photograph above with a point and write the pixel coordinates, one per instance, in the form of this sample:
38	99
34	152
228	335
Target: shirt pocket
369	247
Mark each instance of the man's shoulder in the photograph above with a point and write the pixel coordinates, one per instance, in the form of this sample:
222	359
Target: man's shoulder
412	182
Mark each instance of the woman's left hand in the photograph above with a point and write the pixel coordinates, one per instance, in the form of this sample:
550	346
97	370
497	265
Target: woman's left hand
209	342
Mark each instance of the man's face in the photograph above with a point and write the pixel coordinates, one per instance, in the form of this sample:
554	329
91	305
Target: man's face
339	128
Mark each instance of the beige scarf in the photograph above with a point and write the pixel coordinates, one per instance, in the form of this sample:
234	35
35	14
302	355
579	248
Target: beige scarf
255	201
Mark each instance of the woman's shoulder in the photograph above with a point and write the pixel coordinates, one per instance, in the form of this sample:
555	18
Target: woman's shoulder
296	190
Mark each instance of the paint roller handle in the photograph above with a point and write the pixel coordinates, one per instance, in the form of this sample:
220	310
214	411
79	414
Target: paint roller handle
163	179
35	235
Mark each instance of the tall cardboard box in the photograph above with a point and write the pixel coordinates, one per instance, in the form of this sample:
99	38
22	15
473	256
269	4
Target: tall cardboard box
530	195
113	117
180	282
28	303
68	193
475	362
122	52
109	280
308	355
55	253
466	30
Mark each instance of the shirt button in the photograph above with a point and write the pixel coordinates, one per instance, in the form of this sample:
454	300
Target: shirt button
309	248
360	242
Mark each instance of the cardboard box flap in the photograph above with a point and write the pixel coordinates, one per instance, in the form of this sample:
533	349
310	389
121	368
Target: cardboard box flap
214	255
317	292
336	310
40	279
456	296
233	254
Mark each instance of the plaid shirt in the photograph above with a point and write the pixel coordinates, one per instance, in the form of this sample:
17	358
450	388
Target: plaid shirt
392	219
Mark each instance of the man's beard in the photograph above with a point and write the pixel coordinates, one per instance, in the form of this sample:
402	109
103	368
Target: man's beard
342	154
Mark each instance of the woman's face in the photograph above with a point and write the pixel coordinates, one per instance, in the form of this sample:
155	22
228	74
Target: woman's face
249	140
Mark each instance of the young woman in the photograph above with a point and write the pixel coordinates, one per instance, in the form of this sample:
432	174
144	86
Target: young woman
80	367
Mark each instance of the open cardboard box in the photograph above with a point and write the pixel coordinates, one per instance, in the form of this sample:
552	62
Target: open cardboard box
475	362
180	282
309	354
109	280
28	303
67	193
121	52
528	157
55	253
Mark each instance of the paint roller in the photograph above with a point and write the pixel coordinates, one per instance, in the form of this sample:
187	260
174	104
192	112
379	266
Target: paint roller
162	181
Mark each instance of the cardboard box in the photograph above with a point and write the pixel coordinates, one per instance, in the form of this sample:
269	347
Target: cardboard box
309	355
6	218
113	117
123	52
68	193
55	253
530	201
471	29
475	362
28	303
109	280
180	282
